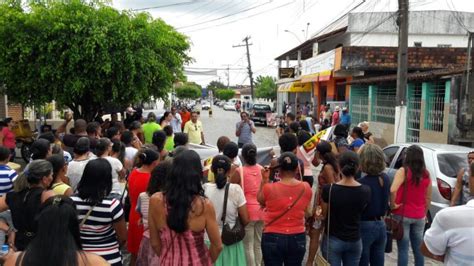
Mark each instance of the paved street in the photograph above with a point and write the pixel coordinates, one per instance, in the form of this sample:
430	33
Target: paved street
222	123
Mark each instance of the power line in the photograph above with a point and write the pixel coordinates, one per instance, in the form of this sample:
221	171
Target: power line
164	6
456	15
239	19
226	16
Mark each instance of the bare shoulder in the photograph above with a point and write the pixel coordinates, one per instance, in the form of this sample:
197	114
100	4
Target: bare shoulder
11	259
90	259
156	198
47	194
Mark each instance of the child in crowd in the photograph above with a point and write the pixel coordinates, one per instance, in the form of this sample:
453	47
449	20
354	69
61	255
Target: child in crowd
7	177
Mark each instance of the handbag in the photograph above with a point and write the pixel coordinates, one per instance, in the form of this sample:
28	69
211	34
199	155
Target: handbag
320	260
394	226
229	235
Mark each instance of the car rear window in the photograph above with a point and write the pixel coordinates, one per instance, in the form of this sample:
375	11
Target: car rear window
262	107
450	163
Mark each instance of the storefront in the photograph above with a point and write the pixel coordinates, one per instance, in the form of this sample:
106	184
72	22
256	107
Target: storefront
294	93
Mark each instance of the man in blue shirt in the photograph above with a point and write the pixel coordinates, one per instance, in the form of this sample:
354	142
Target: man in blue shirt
345	118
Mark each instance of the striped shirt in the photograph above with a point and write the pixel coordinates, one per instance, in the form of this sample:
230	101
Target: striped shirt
97	234
7	177
143	204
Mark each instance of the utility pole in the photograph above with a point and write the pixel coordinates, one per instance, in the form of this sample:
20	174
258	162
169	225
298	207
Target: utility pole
228	76
402	71
246	41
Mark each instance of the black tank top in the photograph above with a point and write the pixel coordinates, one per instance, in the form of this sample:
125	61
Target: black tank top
25	207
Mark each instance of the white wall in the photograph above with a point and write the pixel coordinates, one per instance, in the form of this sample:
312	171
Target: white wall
386	39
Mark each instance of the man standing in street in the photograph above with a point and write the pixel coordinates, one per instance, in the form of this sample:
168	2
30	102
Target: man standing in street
450	238
346	118
185	116
194	130
335	116
176	120
244	129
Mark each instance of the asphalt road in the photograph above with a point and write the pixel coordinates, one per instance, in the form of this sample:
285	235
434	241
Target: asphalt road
222	123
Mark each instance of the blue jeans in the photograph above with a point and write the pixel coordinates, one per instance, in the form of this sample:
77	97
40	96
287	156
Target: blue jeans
341	252
413	233
279	249
374	236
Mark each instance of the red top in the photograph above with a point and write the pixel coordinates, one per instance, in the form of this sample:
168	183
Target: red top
185	117
250	185
335	118
8	138
414	206
137	183
278	197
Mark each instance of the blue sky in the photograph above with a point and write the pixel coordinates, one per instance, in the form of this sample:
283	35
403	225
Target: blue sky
214	26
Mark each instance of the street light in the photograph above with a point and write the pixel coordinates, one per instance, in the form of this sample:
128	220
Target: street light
294	34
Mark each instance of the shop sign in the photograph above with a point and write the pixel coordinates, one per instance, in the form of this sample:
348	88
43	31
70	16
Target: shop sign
286	72
319	63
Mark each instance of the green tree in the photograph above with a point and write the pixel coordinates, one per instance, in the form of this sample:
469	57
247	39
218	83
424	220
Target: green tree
215	85
225	94
265	87
87	56
188	91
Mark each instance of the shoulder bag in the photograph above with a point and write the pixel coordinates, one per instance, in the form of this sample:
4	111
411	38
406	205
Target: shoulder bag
289	207
229	235
394	226
320	260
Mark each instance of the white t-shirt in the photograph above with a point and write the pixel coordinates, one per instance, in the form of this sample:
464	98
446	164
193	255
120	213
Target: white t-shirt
130	153
117	166
235	200
176	123
452	234
74	172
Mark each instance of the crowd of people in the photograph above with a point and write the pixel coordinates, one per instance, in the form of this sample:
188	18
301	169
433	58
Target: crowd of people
101	189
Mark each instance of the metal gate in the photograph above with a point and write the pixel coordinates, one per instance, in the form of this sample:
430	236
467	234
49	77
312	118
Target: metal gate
414	112
359	104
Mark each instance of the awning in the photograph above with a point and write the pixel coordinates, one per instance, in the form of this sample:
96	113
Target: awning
296	86
310	78
325	75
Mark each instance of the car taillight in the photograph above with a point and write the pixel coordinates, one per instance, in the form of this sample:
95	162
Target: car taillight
444	189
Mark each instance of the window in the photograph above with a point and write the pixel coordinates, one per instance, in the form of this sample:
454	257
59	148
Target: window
418	44
400	159
389	154
444	45
341	93
262	107
450	163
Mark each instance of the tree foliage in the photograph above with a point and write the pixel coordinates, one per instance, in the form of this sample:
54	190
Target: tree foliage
215	85
225	94
87	56
265	87
188	91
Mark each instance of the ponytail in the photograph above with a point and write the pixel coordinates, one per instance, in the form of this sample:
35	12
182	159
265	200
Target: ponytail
220	167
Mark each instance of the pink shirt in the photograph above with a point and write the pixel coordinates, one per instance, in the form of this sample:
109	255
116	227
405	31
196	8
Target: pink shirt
8	138
335	118
278	197
250	186
414	206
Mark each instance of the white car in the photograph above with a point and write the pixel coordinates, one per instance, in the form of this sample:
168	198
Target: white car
205	106
229	106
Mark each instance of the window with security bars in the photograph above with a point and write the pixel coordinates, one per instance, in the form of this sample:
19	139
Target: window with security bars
383	105
414	112
434	112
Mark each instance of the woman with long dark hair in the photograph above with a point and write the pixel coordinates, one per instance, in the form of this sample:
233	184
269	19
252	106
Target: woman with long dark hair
102	224
236	208
165	120
410	200
58	240
181	215
249	177
137	183
329	174
159	176
25	204
286	203
342	207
